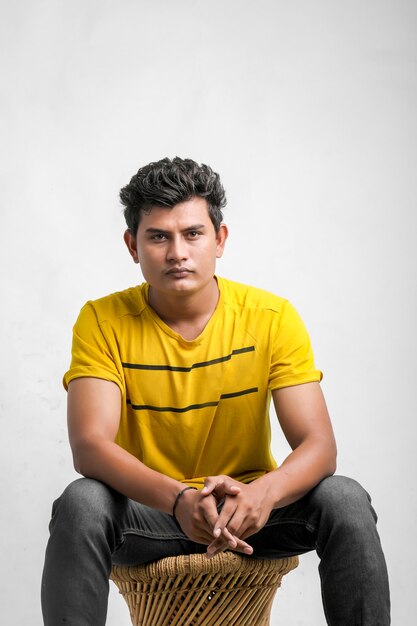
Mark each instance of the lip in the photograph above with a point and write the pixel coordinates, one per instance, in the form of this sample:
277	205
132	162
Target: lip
179	272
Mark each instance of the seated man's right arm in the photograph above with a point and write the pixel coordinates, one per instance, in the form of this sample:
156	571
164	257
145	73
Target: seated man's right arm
93	420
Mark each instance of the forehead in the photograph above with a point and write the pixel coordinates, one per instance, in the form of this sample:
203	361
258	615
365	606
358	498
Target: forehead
181	216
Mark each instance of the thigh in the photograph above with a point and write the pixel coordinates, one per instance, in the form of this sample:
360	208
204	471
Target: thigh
286	533
290	530
303	525
133	533
148	535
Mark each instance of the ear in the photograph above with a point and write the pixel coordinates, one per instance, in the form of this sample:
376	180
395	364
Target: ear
130	241
221	240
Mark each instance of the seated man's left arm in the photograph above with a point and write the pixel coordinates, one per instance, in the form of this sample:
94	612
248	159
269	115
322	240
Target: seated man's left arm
305	422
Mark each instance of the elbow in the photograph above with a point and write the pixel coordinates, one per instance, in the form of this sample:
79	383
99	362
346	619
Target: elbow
90	456
79	465
82	458
332	460
332	467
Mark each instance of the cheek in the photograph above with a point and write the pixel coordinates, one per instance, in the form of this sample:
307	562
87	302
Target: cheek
152	262
146	256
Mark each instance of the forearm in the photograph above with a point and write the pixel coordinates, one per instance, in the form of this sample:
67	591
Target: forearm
106	461
313	460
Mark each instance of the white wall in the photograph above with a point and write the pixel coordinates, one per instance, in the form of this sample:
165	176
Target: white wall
308	110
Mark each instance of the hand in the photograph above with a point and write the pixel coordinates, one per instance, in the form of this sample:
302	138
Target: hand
245	511
223	487
197	515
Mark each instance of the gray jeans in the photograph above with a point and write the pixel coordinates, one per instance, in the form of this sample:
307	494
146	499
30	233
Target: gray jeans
93	527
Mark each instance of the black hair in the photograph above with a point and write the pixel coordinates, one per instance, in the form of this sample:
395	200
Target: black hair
170	181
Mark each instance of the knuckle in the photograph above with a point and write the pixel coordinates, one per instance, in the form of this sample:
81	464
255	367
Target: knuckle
195	517
200	507
253	520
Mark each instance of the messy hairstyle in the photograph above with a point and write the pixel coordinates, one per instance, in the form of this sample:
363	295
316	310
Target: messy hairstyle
167	182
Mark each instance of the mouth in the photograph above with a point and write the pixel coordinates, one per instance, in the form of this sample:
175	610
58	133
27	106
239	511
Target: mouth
179	272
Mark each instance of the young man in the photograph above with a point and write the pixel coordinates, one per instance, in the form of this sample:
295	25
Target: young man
168	399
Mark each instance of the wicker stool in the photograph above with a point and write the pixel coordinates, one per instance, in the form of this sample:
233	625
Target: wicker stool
193	590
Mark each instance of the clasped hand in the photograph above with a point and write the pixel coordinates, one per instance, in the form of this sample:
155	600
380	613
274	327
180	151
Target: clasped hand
223	514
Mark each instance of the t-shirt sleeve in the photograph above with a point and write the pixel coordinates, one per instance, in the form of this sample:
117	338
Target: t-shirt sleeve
292	361
91	354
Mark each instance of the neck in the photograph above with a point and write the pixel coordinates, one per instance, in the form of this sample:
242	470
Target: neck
187	314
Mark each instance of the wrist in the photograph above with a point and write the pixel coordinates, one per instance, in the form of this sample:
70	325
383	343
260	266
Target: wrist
178	498
269	487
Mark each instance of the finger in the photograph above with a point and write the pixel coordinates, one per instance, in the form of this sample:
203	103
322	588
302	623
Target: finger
198	518
243	547
224	539
209	512
220	485
231	489
226	514
225	535
234	541
198	534
216	547
210	484
244	523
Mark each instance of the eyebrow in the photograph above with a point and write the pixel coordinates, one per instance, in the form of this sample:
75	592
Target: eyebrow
151	230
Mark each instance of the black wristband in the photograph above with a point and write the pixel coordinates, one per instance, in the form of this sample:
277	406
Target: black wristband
177	500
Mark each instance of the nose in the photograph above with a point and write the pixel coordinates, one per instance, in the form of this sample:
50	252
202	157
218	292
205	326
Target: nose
177	250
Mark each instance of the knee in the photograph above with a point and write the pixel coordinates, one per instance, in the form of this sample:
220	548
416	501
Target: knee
84	501
345	500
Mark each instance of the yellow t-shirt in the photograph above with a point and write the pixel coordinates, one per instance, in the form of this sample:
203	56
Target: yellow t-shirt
191	409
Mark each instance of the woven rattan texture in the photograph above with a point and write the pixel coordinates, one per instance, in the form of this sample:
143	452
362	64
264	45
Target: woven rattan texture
195	591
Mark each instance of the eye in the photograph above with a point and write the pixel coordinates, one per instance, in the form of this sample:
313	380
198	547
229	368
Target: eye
158	237
193	234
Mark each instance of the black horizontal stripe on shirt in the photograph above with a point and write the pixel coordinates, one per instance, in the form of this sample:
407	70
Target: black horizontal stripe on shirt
175	368
191	407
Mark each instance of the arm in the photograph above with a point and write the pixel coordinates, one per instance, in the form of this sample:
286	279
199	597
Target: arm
93	421
305	421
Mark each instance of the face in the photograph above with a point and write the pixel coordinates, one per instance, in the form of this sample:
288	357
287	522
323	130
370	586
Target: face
177	248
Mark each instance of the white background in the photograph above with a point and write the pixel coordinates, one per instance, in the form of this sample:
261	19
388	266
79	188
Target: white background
308	111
